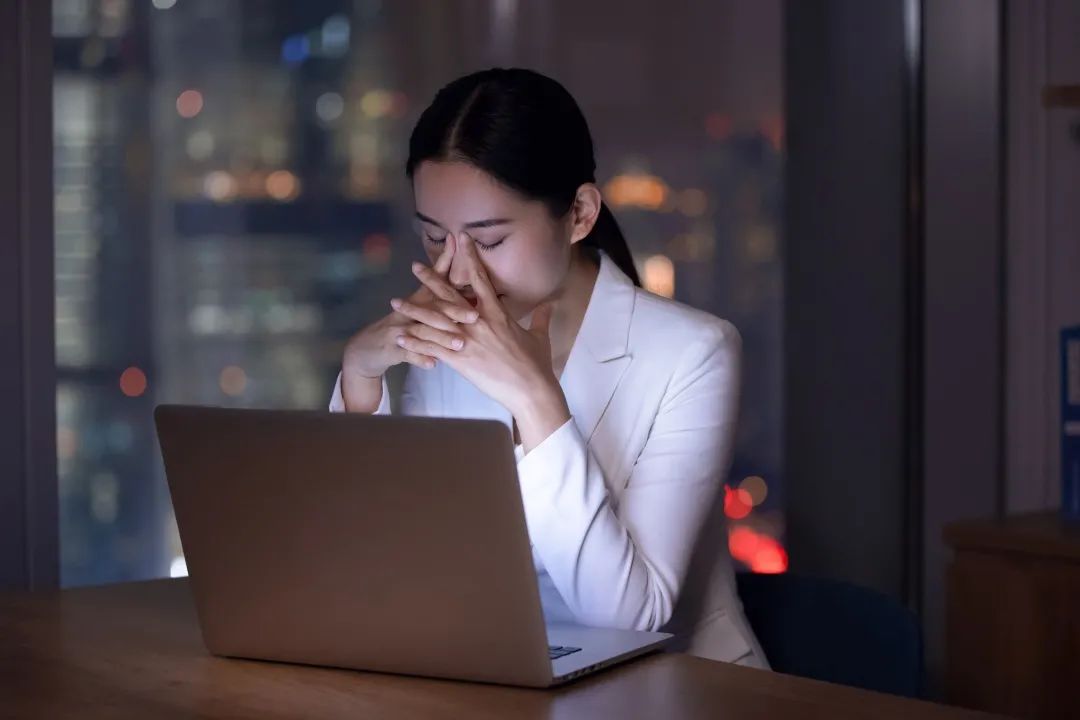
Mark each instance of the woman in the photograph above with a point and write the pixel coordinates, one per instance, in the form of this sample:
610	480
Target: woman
622	404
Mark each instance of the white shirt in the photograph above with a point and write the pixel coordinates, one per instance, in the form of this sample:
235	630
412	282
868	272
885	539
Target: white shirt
623	502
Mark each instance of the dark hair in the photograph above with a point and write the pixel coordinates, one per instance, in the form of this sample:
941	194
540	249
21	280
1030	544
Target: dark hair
525	130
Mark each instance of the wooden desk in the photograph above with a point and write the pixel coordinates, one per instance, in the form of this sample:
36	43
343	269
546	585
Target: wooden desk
135	651
1013	616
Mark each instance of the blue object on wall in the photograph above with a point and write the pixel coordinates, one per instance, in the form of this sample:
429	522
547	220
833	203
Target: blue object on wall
1070	423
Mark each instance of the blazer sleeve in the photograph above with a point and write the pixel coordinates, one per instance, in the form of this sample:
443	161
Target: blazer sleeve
623	564
413	396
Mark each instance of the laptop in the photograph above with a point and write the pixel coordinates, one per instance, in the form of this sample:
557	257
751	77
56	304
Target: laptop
382	543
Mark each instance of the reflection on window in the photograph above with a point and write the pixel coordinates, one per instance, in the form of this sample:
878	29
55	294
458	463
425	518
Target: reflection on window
231	206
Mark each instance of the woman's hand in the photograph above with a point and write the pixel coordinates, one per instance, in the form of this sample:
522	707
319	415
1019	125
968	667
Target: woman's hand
373	350
507	362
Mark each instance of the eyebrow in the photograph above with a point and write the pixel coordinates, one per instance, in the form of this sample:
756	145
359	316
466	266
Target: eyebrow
492	222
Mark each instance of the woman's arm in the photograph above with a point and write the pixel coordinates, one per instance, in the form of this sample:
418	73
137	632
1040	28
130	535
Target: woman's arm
413	396
337	399
371	397
624	566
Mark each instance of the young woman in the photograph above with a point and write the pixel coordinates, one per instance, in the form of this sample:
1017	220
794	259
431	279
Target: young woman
622	404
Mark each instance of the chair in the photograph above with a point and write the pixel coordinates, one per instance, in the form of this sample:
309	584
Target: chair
834	631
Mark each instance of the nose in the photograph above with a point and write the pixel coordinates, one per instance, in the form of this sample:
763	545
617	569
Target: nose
459	272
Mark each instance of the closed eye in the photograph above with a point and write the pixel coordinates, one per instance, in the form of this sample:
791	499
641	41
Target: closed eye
485	247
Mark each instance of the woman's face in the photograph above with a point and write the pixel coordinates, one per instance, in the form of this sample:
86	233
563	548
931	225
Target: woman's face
527	252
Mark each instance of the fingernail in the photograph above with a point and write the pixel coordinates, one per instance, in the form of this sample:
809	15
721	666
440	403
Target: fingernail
396	304
457	343
417	267
472	317
401	340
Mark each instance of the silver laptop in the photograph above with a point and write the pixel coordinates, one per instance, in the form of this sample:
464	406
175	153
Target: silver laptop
391	544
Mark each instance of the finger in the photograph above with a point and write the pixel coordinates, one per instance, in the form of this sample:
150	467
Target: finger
541	320
478	277
420	314
437	284
442	265
422	347
449	340
457	313
420	361
417	359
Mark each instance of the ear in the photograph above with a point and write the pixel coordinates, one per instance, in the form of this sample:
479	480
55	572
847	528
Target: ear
584	211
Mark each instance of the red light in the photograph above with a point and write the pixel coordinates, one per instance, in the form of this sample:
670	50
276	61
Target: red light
133	382
377	249
771	559
762	553
742	542
737	503
189	103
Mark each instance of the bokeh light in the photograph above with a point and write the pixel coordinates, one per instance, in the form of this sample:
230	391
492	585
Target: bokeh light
282	185
659	276
295	49
329	107
133	382
233	380
219	186
189	103
377	103
200	145
737	503
376	250
742	542
636	190
760	552
336	31
756	488
770	559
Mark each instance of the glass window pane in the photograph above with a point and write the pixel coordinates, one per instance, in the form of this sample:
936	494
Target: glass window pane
231	205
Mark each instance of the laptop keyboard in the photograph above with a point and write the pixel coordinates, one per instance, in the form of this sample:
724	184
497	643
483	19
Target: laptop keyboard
558	651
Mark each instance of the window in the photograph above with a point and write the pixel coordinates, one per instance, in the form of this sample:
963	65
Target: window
231	206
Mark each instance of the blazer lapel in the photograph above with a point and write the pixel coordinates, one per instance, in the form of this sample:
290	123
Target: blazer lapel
599	358
596	364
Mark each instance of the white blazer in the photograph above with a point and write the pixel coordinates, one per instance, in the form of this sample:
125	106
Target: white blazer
623	502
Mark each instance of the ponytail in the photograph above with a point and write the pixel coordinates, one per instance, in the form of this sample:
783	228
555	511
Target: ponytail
607	236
